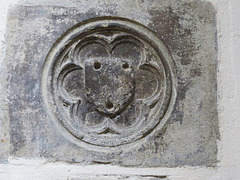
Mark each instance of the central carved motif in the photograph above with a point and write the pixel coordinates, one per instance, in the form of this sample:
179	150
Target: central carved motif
110	82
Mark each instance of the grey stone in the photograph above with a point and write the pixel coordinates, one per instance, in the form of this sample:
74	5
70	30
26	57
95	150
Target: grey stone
129	83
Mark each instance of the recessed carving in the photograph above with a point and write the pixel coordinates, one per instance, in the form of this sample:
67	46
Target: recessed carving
109	82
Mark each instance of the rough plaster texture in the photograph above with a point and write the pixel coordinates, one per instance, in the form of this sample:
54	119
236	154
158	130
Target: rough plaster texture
228	156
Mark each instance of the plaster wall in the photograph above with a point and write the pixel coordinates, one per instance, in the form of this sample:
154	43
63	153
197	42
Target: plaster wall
228	105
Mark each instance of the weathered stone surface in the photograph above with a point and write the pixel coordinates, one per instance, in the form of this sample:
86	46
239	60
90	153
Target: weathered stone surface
111	82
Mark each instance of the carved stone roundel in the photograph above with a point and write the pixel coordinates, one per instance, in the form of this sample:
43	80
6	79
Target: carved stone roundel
109	82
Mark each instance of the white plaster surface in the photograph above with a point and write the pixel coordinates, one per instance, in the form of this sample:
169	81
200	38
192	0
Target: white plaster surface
228	17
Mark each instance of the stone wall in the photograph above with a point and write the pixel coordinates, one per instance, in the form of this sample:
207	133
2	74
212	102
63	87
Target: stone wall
27	164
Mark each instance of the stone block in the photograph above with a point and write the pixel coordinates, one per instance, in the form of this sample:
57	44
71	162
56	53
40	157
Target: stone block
128	83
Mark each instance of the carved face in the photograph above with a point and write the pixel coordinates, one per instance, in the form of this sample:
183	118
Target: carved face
109	84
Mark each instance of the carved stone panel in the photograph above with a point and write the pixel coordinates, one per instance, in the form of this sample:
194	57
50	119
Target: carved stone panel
130	83
93	82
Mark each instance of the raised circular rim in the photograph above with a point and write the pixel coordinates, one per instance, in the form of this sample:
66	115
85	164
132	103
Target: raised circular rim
90	25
